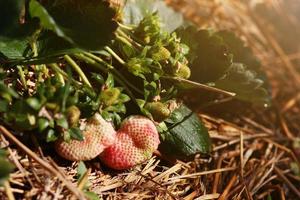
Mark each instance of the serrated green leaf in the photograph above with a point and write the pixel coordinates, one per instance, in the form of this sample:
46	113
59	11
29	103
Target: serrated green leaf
245	84
186	136
241	53
208	57
12	49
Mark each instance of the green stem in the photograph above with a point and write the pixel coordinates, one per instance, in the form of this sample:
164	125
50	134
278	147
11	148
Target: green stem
78	70
128	39
118	58
114	71
59	73
124	40
22	76
58	70
125	26
103	66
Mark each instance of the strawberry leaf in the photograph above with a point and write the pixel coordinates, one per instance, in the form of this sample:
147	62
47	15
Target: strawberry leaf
208	57
88	25
186	134
246	84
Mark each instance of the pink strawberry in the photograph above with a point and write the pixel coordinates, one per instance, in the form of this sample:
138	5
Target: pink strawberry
136	140
98	135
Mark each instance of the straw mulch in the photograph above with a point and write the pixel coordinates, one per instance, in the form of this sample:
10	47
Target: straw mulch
254	154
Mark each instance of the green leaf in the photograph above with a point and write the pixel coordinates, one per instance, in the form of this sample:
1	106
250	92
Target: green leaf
46	20
209	57
12	48
7	93
33	103
86	24
91	195
50	45
186	136
245	83
43	123
135	11
5	166
76	133
243	54
51	136
81	170
21	115
62	122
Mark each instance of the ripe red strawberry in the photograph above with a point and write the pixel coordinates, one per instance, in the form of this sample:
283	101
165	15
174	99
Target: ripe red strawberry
98	135
136	140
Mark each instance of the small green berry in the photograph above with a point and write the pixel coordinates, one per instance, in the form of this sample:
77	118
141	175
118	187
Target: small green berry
158	110
183	71
110	96
73	115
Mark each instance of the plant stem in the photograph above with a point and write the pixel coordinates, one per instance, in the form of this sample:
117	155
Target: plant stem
125	26
78	70
62	73
114	71
99	64
128	39
22	76
118	58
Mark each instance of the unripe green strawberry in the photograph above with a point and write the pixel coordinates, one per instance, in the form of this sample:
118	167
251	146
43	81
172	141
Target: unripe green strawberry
136	140
73	115
161	53
110	96
158	110
98	135
183	71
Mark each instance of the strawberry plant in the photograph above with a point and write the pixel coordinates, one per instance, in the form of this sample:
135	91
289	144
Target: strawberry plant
64	63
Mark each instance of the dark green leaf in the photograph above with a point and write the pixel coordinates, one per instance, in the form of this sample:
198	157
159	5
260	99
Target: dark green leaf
12	48
42	124
3	106
245	84
186	136
89	25
10	12
243	54
209	58
50	45
5	169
